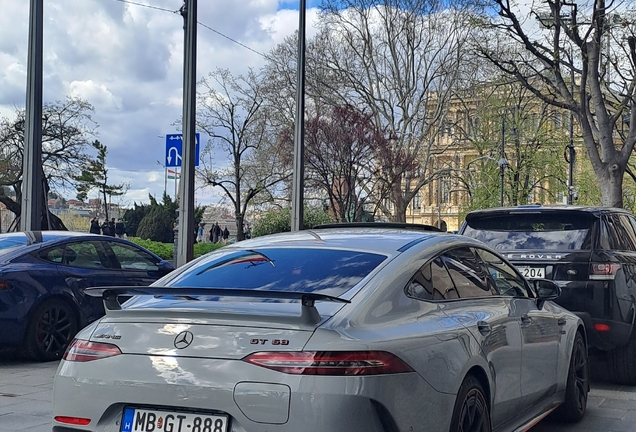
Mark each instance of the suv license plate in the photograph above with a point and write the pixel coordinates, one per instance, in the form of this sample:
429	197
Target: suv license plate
532	272
145	420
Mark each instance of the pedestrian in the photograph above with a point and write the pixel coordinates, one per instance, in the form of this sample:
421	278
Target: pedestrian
111	227
226	234
216	235
105	228
120	228
95	226
200	233
247	231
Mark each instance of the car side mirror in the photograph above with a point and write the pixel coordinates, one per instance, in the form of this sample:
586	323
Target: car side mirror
546	290
165	267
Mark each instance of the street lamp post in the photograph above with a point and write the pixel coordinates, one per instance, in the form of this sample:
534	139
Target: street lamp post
503	163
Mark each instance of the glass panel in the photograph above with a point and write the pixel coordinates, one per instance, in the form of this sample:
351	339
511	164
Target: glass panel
325	271
467	273
131	258
507	282
545	231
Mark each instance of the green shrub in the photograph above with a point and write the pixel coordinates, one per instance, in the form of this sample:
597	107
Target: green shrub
156	225
279	220
166	250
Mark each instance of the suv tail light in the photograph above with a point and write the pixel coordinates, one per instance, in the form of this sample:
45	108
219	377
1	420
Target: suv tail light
83	351
603	271
335	363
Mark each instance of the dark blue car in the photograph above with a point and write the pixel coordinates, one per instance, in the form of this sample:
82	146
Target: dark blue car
42	280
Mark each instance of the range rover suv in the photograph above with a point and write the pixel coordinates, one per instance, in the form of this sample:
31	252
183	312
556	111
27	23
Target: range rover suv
590	252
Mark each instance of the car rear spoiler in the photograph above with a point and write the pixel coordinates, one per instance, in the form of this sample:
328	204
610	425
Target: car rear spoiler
309	313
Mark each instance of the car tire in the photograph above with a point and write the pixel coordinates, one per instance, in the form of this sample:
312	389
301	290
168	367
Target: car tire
51	328
578	384
621	362
471	411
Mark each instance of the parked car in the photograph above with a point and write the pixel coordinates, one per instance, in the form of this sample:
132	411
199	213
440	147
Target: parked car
339	329
42	280
590	252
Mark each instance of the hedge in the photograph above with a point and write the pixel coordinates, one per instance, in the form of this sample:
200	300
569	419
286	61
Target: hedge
166	250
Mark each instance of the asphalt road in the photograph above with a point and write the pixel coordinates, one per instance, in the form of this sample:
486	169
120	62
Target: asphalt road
25	400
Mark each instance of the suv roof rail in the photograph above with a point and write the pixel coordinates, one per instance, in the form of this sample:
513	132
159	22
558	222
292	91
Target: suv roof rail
394	225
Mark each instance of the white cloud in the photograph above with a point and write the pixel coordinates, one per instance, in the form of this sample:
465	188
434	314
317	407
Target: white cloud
127	61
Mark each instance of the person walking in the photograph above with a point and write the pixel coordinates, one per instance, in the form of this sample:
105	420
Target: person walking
111	227
120	228
216	235
105	228
200	233
226	234
94	226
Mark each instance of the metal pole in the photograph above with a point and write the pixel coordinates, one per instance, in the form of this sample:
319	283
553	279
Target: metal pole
32	190
299	129
186	200
571	151
502	166
165	180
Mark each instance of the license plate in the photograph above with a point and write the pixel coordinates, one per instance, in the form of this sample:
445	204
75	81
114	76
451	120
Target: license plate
144	420
532	272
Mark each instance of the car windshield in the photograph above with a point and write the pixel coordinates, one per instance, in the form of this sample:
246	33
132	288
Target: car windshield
553	231
9	243
324	271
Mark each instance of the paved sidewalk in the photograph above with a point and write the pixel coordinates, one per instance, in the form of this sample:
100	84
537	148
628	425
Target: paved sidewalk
25	401
25	394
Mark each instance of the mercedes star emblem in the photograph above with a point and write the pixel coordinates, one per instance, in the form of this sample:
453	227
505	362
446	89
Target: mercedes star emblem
183	340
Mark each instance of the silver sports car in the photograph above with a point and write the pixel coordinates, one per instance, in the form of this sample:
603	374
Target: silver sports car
340	329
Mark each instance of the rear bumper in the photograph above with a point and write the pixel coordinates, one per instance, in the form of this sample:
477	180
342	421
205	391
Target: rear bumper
99	390
596	302
617	335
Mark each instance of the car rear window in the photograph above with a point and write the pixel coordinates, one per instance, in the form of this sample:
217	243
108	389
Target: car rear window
543	231
324	271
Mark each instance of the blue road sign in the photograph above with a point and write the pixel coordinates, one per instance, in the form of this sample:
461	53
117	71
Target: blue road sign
174	145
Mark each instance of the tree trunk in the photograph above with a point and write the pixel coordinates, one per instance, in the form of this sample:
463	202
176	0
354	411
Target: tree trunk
611	185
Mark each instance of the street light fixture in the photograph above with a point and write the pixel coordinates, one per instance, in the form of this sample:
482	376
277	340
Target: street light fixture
503	162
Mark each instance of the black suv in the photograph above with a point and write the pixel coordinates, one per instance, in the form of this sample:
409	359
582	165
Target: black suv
590	252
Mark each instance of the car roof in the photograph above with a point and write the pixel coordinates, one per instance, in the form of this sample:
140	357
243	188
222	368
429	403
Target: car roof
536	208
34	237
383	240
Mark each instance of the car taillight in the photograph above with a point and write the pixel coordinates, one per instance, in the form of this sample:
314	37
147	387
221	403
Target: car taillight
83	351
603	271
4	285
336	363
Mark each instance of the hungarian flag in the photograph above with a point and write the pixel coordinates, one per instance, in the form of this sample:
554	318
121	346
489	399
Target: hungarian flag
173	175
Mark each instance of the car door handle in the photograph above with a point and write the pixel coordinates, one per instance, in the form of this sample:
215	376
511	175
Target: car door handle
526	320
561	321
484	328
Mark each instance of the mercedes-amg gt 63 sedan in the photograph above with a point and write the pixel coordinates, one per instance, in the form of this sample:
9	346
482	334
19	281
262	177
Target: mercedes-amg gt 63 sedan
329	329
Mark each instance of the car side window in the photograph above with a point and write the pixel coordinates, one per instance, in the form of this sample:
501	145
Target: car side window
467	273
131	258
432	282
627	232
614	234
79	254
507	282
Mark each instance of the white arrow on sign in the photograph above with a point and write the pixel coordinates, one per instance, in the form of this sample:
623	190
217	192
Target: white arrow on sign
176	153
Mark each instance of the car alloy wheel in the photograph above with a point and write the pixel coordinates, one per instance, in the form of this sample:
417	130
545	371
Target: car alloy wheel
52	327
471	412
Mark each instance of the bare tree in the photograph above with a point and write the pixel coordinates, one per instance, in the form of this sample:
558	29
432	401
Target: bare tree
67	127
231	112
579	56
341	149
401	59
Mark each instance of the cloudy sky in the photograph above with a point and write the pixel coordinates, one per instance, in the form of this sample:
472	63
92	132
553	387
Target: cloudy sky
127	61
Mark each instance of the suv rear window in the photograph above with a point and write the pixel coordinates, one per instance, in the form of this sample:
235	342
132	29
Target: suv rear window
524	230
324	271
